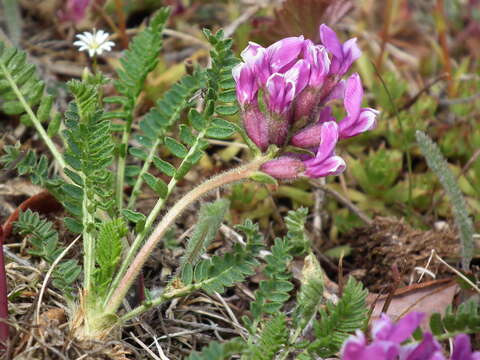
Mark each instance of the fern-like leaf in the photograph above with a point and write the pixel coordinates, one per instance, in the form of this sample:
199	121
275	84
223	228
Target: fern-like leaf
141	57
43	239
153	127
466	319
274	291
439	166
22	93
108	252
272	337
338	321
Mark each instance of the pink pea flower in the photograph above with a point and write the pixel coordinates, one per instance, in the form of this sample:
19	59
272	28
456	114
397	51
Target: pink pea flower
343	54
285	93
326	162
358	119
74	10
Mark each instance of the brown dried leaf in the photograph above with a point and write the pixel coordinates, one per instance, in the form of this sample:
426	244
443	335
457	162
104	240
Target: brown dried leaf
428	297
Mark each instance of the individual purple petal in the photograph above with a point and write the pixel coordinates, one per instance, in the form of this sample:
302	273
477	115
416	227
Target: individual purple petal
351	52
330	40
250	53
285	168
311	135
284	52
384	329
255	125
334	165
357	120
299	74
353	96
328	140
247	86
462	349
422	351
256	57
317	57
280	93
354	346
343	54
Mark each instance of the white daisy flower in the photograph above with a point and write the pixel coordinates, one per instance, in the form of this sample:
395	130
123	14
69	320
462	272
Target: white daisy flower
94	42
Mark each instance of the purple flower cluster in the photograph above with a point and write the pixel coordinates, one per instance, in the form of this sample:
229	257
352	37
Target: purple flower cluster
284	91
387	339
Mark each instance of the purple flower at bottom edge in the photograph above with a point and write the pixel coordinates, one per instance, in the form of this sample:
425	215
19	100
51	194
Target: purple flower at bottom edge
462	349
384	329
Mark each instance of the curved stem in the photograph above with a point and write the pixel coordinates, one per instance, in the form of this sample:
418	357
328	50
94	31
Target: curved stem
238	174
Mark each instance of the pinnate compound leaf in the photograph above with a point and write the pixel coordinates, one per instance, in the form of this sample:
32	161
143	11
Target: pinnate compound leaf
338	322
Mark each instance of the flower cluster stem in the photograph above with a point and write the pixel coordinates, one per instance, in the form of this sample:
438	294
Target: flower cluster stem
238	174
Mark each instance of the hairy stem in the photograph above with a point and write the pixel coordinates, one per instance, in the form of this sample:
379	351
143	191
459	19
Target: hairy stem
132	251
240	173
36	123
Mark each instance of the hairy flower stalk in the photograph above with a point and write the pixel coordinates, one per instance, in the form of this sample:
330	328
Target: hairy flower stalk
235	175
285	92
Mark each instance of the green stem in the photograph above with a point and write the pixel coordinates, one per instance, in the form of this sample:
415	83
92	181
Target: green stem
238	174
132	251
36	123
144	170
122	159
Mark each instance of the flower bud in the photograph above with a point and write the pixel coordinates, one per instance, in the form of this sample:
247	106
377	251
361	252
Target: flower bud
256	126
310	136
285	167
